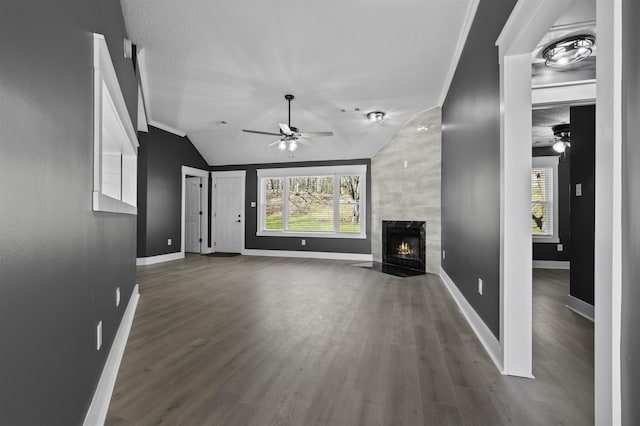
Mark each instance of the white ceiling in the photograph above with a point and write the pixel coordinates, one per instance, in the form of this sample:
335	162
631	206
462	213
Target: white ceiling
207	61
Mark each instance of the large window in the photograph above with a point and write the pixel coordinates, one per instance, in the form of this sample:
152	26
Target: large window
544	199
312	201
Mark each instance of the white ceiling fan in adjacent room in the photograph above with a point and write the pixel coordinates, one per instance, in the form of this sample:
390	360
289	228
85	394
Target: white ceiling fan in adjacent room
289	135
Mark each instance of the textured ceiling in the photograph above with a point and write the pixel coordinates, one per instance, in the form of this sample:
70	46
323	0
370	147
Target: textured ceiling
204	62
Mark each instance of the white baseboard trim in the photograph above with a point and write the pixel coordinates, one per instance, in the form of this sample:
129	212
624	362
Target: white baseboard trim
486	337
581	307
159	258
97	412
551	264
309	254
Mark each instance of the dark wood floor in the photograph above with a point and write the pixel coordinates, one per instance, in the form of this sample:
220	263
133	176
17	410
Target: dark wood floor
276	341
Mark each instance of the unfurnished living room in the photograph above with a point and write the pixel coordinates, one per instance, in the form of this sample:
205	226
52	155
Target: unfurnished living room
416	212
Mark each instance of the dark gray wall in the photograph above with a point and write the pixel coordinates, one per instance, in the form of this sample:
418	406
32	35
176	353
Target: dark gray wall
59	261
471	165
548	251
338	245
630	347
160	160
583	163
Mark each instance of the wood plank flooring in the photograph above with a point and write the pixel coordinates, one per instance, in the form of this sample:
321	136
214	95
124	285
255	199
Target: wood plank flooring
276	341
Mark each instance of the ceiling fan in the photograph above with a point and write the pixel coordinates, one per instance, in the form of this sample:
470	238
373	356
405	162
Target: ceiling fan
289	135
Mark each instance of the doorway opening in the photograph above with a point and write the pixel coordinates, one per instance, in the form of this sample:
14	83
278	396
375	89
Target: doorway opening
195	211
527	24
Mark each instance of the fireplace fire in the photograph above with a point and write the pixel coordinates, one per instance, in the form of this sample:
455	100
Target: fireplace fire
404	249
403	244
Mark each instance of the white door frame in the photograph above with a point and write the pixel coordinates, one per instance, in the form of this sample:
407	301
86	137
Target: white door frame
204	202
230	174
527	24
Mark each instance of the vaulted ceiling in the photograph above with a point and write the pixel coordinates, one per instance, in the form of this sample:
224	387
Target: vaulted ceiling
213	68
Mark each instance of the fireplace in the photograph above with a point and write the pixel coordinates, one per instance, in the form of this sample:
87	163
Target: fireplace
403	244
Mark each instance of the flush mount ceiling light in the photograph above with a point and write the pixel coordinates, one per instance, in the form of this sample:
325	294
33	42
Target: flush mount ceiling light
376	116
568	51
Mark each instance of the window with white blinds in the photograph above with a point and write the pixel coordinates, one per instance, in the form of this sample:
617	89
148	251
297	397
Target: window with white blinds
544	206
312	201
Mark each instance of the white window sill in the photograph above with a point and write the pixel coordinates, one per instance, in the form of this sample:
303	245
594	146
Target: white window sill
342	235
550	240
104	203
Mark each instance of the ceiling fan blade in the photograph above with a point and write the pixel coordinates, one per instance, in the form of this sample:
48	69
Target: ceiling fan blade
261	133
274	143
285	129
305	141
316	134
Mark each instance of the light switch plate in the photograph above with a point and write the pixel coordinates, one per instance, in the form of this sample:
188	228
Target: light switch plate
559	247
578	190
253	204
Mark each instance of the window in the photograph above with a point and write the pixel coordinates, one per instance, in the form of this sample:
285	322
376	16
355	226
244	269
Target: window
312	201
544	199
115	144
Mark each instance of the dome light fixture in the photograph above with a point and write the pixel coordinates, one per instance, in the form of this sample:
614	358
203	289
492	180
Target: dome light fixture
376	116
568	51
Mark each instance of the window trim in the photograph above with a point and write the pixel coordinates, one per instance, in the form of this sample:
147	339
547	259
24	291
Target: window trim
336	172
552	163
107	90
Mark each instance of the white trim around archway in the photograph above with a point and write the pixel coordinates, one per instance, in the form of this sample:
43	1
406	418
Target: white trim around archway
527	24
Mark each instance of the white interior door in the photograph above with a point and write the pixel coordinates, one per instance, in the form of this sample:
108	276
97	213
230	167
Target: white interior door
193	239
229	214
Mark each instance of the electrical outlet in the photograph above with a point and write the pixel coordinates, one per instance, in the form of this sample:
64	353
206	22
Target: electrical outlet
117	296
480	286
99	336
253	204
444	254
169	242
304	242
559	247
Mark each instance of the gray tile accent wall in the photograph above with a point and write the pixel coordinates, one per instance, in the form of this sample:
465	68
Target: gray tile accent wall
411	193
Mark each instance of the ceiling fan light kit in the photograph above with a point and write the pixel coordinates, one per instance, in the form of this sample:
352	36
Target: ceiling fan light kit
289	135
568	51
562	132
376	116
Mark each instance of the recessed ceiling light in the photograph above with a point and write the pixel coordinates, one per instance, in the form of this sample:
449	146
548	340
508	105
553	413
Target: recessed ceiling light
568	51
376	116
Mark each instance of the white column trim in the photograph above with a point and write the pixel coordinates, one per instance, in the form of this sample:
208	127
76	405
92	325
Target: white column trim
608	223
